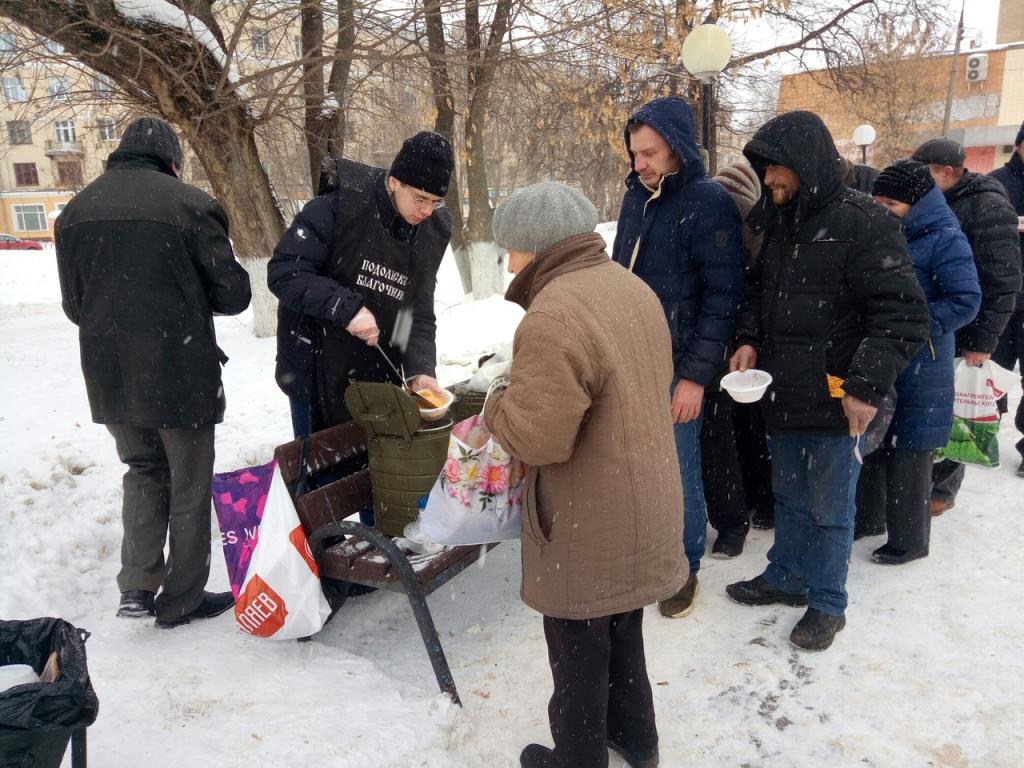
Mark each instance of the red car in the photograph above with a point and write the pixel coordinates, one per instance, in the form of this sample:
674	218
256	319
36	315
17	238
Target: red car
10	242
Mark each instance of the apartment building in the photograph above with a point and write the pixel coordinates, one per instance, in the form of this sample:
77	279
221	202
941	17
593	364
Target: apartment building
57	125
987	105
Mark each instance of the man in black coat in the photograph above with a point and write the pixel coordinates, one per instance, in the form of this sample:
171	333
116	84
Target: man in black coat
1010	350
990	223
144	263
357	269
832	295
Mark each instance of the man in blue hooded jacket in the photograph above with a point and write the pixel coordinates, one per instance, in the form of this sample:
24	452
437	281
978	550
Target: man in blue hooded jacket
680	232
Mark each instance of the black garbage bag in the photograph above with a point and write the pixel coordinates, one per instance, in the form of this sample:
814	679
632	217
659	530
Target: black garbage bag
37	720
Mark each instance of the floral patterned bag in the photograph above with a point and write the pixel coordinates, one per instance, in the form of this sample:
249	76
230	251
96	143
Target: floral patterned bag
478	498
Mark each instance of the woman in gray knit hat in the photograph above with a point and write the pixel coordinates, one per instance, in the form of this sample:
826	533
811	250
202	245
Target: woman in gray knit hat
584	408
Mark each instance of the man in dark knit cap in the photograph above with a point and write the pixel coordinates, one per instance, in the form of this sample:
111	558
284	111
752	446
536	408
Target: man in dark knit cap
990	223
357	269
1010	350
145	262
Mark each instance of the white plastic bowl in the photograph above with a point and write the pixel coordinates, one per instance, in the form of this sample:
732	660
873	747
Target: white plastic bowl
434	414
747	386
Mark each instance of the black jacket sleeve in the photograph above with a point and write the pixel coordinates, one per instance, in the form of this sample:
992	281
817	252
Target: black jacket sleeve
748	322
995	243
295	272
70	291
895	312
226	281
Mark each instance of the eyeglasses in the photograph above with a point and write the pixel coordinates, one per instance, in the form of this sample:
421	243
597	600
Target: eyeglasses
421	200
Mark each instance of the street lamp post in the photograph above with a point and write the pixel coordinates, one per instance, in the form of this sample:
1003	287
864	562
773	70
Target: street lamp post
863	136
706	52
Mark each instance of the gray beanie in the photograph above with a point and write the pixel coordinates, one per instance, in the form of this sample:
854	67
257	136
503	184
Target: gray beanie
542	215
151	134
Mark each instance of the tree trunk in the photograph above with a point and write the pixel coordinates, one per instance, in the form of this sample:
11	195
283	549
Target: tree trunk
344	51
226	148
444	124
312	28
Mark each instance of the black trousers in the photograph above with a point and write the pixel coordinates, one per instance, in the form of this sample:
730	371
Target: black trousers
166	498
736	467
601	689
892	494
1009	353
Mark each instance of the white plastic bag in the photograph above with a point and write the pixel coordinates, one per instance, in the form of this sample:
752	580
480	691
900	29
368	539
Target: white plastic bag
975	435
281	596
478	498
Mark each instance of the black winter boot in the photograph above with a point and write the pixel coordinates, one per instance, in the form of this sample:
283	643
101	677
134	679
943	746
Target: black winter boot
647	758
758	591
213	604
816	630
537	756
887	555
136	603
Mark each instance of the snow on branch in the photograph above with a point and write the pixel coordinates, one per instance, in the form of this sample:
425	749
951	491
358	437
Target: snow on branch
161	12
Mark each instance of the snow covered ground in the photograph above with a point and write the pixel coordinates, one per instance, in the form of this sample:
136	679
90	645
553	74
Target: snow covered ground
929	671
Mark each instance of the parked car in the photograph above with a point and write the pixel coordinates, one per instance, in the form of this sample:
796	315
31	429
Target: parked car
12	243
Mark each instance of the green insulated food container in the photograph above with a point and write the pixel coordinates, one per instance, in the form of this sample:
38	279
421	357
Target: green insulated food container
406	453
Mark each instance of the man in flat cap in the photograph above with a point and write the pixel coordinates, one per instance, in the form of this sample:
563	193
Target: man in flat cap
990	223
145	262
358	257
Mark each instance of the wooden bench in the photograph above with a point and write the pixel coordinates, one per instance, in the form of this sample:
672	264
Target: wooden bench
350	551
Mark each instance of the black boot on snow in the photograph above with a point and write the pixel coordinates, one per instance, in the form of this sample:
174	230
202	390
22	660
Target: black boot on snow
816	630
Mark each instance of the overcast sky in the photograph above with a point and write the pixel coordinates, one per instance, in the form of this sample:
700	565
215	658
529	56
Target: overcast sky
980	16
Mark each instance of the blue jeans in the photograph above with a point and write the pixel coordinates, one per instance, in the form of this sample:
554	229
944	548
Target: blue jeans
695	513
815	482
300	416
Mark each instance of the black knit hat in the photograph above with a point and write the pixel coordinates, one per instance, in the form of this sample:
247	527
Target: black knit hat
425	162
905	180
1020	136
940	152
151	134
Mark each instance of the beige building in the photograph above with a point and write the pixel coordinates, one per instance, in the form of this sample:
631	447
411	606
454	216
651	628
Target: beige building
57	125
987	106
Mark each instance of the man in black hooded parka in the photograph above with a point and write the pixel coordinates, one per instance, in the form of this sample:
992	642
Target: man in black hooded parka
833	293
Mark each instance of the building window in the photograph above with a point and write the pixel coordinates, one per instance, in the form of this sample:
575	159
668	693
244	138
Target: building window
30	218
58	88
69	174
14	90
261	41
7	42
64	131
107	127
26	175
19	132
298	46
53	47
102	87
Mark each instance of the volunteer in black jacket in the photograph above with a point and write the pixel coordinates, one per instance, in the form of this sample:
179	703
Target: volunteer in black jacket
144	263
357	268
833	292
990	223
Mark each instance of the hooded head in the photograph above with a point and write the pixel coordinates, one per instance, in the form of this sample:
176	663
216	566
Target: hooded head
800	143
152	136
672	119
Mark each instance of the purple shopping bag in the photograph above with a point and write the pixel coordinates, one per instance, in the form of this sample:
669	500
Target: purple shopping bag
239	498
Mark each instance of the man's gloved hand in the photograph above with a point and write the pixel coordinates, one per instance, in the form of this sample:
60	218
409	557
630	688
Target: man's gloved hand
364	326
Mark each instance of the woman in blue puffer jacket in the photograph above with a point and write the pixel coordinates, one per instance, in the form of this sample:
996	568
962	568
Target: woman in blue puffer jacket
894	485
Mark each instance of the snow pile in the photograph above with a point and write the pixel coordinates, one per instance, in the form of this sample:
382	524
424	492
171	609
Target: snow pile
927	672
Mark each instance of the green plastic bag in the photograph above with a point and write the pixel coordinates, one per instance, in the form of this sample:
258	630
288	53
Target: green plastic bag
972	442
